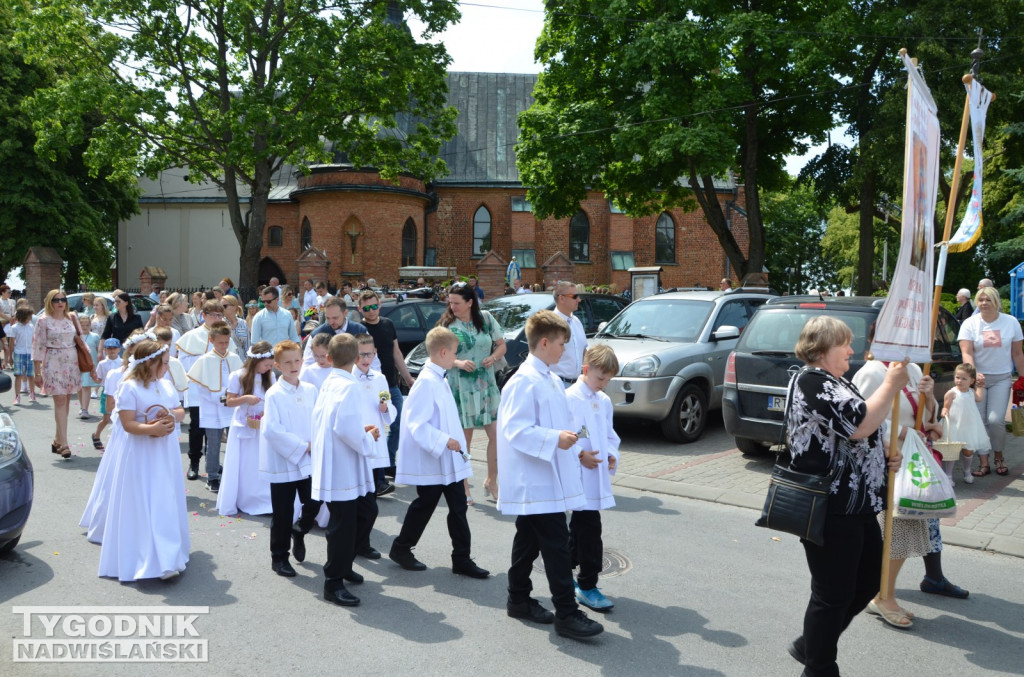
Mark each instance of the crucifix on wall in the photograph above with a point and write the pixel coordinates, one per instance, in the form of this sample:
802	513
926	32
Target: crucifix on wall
353	233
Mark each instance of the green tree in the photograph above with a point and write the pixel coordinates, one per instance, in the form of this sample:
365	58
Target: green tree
51	201
794	224
860	43
234	90
649	101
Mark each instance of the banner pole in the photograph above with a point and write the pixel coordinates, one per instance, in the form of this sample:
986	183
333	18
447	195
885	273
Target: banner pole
890	488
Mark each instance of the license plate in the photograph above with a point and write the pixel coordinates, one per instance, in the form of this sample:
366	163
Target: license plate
776	403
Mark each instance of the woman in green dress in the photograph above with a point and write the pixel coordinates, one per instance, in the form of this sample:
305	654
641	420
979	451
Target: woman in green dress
481	344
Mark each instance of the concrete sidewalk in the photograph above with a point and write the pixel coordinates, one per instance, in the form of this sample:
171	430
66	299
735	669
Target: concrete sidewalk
990	512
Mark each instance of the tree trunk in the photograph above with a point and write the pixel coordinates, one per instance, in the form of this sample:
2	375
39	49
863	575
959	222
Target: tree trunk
707	198
755	225
866	251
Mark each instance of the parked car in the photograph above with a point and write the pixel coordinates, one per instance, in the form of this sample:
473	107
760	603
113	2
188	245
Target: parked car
412	318
513	310
759	370
16	479
672	349
143	304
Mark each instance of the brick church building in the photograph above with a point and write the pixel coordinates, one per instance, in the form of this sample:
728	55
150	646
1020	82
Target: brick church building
367	227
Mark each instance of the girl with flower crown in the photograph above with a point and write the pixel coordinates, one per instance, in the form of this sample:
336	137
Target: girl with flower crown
241	487
146	531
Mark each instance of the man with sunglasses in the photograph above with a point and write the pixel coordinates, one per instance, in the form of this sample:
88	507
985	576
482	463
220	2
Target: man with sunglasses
335	322
392	364
273	324
567	300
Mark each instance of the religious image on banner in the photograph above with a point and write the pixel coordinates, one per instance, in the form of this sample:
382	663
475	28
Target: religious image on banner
903	328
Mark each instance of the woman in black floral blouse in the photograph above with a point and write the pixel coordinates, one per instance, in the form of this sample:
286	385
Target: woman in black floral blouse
828	422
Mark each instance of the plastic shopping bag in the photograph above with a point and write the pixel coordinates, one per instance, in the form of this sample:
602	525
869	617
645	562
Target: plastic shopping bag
922	490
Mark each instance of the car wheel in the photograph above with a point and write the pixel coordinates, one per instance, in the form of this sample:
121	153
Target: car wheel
685	423
9	545
749	447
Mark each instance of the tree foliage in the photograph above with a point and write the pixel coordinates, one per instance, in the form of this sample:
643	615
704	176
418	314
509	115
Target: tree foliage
53	200
794	224
649	101
233	90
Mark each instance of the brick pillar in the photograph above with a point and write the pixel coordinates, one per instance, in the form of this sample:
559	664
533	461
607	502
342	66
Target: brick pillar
558	267
490	273
313	265
149	277
42	273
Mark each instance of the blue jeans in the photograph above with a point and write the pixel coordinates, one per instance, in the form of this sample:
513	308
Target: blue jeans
396	399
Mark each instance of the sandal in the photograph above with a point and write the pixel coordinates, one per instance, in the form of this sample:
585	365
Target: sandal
64	451
982	471
97	443
54	447
943	587
1001	468
896	619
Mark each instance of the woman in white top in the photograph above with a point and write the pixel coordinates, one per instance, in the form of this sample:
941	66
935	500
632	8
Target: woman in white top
991	341
100	313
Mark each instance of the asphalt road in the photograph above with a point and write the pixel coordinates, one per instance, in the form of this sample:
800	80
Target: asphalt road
698	590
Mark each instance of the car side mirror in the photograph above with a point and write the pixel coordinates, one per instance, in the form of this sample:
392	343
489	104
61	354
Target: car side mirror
725	332
601	326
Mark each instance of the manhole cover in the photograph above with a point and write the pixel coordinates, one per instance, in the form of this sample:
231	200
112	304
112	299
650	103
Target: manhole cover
614	563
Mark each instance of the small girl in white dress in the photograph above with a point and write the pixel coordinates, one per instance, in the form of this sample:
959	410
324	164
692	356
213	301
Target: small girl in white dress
242	489
146	531
960	409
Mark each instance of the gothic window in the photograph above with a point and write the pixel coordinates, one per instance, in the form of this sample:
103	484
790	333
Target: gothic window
409	243
307	235
481	231
665	239
275	236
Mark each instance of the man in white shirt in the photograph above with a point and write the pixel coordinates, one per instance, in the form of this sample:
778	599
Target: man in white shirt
567	300
309	297
517	284
273	324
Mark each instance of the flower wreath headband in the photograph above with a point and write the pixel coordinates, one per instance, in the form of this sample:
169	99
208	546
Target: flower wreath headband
137	338
259	356
132	362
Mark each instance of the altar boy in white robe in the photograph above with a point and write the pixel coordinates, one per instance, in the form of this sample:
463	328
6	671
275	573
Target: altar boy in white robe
285	462
210	374
540	474
378	411
341	443
433	456
592	417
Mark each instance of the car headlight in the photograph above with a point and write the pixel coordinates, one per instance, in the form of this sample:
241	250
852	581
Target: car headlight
645	367
10	442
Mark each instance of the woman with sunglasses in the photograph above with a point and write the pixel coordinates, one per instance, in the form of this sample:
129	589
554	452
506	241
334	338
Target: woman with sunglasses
56	362
481	344
122	323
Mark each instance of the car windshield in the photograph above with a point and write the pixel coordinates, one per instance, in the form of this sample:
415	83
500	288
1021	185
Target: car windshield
776	330
670	319
511	312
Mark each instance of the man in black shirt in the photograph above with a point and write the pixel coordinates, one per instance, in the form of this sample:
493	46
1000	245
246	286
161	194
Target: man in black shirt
392	365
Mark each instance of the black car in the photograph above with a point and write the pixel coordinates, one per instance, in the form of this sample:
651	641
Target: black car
759	369
16	479
513	310
412	318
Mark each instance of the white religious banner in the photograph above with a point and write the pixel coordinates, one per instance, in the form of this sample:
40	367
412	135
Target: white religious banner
970	228
902	330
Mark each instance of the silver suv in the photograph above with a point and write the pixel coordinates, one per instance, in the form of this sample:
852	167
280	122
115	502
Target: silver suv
672	351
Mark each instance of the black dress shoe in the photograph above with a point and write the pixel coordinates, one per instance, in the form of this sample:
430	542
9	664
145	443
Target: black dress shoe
341	597
213	485
530	610
469	568
796	650
577	626
385	489
353	577
283	569
369	552
193	471
298	545
406	560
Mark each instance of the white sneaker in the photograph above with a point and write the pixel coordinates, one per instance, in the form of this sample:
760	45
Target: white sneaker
84	414
968	479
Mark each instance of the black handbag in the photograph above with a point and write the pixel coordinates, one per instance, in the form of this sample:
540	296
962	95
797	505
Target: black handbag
797	503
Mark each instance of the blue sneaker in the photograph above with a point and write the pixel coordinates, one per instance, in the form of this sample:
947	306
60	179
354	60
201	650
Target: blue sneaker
593	599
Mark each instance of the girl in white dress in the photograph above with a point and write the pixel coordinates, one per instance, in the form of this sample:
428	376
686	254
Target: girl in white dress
242	489
94	518
960	409
146	531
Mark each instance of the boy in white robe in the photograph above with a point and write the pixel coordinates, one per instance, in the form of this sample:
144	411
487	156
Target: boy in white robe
540	479
592	416
316	372
210	373
190	347
378	411
341	443
430	457
285	462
